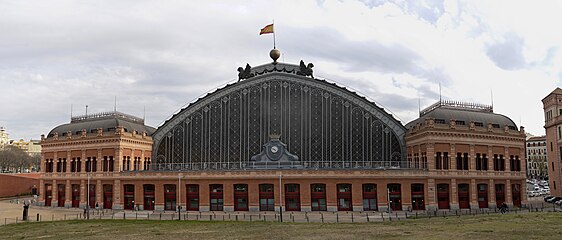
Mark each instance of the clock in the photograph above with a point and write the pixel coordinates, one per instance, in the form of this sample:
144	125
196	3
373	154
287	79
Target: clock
274	149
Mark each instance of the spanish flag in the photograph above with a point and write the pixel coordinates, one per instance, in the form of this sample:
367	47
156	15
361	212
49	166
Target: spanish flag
267	29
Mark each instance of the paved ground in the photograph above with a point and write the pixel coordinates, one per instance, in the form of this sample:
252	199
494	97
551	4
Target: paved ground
11	212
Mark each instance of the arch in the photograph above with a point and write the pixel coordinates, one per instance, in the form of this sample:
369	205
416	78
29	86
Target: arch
319	121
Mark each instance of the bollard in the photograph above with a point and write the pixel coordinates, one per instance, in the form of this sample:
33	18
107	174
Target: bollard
351	217
322	216
37	217
368	216
123	215
382	216
236	217
160	216
337	218
210	217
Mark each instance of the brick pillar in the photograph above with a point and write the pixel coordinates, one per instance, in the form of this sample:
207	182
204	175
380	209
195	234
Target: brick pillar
430	156
473	194
83	161
82	193
406	192
41	192
139	196
55	194
490	158
68	158
507	159
99	192
357	196
228	196
204	202
68	193
159	196
382	196
508	197
452	157
454	194
491	193
472	158
117	160
331	197
306	203
254	196
117	196
99	162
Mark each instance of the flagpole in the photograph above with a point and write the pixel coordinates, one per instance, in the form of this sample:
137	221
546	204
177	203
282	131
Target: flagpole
273	33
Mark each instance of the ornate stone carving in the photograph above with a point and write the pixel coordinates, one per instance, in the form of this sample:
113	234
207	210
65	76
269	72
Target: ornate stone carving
452	124
305	70
84	133
275	151
100	132
245	73
471	125
69	135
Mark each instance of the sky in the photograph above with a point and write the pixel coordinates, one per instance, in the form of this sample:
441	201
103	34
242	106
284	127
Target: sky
157	56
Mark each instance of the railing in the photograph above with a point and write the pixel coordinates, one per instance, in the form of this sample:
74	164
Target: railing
382	165
108	114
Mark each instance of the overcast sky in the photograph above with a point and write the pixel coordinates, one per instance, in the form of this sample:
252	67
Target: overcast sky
161	55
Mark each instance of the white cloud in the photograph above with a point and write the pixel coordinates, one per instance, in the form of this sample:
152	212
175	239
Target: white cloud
163	55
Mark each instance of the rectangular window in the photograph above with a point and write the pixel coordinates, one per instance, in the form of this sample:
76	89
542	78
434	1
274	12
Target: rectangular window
478	162
446	160
459	161
438	160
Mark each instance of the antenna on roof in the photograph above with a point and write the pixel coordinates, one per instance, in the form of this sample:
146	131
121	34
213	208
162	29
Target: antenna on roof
144	112
86	110
71	110
439	91
115	104
419	105
492	97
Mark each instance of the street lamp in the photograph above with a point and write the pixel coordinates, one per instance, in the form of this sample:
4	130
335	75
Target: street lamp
280	199
88	197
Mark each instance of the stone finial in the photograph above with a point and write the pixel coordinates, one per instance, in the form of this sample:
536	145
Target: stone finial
84	133
431	123
522	129
490	128
56	136
69	135
119	130
471	125
452	124
100	132
42	137
505	128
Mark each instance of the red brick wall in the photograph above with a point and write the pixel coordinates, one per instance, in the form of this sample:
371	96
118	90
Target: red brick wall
14	184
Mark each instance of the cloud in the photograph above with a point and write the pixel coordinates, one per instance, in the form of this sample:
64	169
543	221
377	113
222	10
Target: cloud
508	54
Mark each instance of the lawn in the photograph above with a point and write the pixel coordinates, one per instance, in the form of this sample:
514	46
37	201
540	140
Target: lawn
510	226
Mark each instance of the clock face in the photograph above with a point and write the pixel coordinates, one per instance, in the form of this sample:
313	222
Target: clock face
274	149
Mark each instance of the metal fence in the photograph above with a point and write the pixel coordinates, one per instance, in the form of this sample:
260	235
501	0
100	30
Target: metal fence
302	217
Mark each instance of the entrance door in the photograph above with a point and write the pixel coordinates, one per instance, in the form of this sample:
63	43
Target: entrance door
48	194
148	197
240	197
292	197
75	195
500	194
395	197
193	197
170	197
107	196
318	197
482	195
516	193
443	196
266	197
370	197
61	191
418	202
129	196
216	196
464	196
344	197
92	200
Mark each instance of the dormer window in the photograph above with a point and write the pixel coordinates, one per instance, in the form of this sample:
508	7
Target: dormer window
439	121
495	125
478	124
457	122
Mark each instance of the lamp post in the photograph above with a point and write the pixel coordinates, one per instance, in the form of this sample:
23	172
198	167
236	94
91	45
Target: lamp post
280	199
88	197
179	197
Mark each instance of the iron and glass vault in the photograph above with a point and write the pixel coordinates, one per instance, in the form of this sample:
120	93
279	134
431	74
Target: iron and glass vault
321	124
